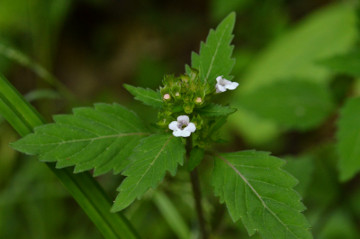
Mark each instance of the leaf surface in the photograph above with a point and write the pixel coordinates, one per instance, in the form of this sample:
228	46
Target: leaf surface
256	190
294	104
295	54
100	138
348	63
147	96
214	110
348	137
215	58
151	159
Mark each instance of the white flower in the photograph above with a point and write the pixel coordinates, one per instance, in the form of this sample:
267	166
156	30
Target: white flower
182	127
223	84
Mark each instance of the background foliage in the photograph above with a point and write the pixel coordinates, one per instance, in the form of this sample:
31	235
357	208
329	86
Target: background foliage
300	55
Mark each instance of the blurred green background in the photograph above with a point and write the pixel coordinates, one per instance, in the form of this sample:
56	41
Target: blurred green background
63	53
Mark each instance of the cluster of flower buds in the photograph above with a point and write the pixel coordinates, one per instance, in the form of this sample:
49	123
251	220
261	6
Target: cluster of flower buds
182	95
185	91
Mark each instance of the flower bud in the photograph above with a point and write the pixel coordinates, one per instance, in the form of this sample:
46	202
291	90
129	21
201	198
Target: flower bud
166	97
198	100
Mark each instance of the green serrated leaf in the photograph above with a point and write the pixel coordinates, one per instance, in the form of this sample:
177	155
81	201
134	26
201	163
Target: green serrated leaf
151	159
196	156
294	104
348	63
99	138
214	110
257	190
147	96
348	137
214	58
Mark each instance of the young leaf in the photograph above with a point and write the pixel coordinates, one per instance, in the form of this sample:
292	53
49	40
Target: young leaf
149	162
215	55
214	110
294	104
348	137
147	96
348	63
257	190
101	138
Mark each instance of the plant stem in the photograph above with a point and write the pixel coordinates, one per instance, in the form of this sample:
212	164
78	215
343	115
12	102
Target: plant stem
197	197
194	178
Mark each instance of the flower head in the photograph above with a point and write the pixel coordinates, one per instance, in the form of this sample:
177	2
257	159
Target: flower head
182	127
223	84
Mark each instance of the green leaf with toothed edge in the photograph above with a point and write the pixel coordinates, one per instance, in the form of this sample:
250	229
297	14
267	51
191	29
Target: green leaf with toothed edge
214	110
215	54
256	190
150	161
100	138
147	96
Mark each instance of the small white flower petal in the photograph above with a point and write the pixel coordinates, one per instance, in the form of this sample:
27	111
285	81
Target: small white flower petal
225	82
183	118
232	85
174	125
177	133
190	128
181	133
219	78
220	88
185	133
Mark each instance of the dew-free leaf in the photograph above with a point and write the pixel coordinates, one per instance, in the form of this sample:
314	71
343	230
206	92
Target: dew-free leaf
256	190
154	156
348	63
100	138
295	54
294	104
348	136
214	58
214	110
147	96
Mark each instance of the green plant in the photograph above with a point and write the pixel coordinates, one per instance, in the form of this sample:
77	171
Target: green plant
111	138
257	188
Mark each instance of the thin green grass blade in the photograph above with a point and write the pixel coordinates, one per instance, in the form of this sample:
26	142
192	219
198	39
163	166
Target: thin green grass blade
85	190
171	215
